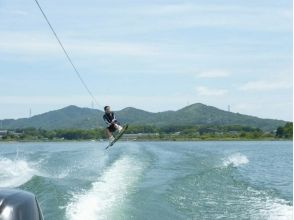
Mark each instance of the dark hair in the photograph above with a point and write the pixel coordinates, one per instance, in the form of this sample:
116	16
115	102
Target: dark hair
106	107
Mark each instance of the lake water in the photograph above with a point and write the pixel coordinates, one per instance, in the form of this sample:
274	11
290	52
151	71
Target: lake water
153	180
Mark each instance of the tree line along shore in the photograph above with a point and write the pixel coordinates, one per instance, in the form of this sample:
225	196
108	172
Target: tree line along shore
145	133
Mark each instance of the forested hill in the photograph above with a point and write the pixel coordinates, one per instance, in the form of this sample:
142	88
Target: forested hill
86	118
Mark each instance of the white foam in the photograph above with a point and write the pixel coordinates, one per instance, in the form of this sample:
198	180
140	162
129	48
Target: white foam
268	207
108	194
276	210
14	173
61	175
235	160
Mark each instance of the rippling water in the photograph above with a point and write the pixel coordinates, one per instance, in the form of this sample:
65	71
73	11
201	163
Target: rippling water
153	180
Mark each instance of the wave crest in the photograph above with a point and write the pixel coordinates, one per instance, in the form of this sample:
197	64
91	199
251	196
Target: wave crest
14	173
235	160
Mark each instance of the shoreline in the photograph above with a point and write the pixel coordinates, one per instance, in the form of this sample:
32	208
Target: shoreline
147	140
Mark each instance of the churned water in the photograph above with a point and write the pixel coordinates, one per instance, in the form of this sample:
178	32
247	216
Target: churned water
153	180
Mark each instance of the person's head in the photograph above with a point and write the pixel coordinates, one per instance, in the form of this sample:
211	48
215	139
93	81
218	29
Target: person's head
107	109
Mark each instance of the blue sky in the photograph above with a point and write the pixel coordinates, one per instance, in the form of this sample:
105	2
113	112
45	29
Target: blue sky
153	55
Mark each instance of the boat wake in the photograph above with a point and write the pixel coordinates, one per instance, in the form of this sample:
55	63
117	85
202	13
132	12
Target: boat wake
14	173
265	206
106	196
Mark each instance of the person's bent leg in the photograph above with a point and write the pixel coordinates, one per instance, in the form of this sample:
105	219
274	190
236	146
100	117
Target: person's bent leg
109	134
118	127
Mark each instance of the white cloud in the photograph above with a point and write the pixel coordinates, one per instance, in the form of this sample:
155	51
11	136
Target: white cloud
35	44
205	91
213	74
229	16
19	12
264	85
39	45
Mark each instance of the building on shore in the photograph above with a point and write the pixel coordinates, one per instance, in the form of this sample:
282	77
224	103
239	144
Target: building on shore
133	137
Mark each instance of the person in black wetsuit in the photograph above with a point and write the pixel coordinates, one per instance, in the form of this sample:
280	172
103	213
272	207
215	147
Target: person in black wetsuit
111	123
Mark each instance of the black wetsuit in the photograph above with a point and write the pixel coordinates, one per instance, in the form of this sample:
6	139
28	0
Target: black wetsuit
108	118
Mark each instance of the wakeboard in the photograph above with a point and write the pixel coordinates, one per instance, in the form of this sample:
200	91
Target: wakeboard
118	136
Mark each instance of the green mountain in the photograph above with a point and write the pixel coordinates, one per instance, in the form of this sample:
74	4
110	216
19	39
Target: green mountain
196	114
68	117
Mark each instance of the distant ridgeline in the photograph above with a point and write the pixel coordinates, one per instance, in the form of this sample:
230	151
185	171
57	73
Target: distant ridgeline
196	115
